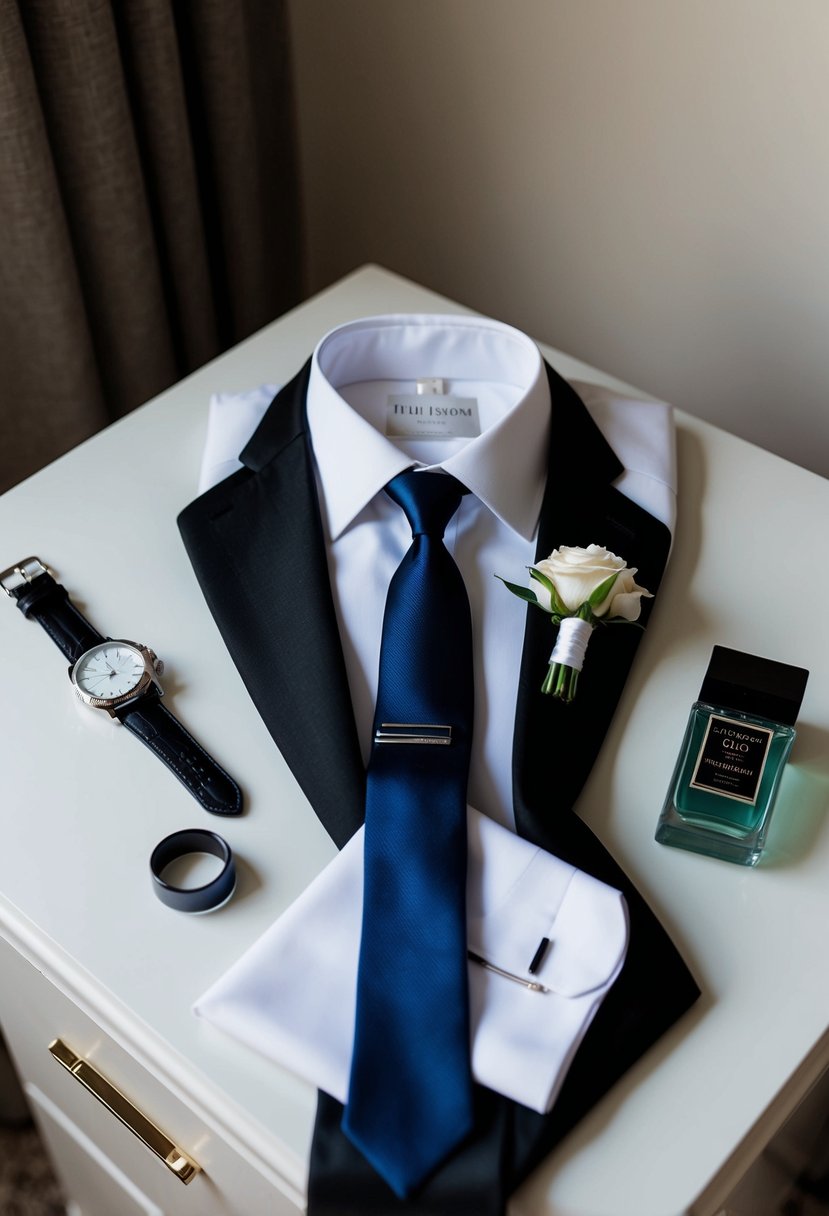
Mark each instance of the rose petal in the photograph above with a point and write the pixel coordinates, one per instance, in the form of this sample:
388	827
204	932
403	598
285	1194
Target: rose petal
628	604
576	573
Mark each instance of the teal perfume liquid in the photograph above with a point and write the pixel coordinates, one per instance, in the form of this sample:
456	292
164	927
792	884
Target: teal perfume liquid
736	745
705	809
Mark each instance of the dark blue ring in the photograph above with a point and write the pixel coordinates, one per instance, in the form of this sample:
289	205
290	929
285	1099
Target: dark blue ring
193	899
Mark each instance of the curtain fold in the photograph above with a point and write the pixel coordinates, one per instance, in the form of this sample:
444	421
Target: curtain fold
148	204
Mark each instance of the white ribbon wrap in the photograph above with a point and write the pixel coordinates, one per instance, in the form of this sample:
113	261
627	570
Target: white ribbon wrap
571	642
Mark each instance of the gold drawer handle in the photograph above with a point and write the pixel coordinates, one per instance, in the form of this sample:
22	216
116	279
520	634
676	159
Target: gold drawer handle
142	1127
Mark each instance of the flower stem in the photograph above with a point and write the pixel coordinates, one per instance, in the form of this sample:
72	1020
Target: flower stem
560	681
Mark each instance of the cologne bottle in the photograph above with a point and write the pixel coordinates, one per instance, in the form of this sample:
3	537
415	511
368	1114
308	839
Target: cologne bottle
739	736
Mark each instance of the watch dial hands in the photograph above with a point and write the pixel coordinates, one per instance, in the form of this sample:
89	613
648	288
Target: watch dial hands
109	671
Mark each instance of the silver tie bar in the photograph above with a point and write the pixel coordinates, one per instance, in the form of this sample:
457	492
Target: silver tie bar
414	732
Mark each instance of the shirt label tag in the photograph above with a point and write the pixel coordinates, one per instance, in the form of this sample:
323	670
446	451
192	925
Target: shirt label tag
431	416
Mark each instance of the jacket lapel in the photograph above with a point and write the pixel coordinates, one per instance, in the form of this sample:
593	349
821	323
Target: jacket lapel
256	543
580	507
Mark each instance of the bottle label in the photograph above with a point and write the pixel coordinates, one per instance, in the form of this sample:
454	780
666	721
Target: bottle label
731	758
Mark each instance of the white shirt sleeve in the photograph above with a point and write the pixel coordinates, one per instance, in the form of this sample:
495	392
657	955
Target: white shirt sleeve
292	994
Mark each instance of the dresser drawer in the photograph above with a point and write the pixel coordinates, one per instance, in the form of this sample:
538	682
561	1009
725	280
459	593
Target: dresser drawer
33	1014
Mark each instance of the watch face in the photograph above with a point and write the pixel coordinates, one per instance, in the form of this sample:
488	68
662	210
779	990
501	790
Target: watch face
108	670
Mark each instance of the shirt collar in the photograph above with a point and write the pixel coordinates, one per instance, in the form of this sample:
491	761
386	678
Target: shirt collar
505	467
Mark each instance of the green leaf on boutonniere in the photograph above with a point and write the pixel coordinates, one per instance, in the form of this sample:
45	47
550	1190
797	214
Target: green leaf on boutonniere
523	593
559	608
603	590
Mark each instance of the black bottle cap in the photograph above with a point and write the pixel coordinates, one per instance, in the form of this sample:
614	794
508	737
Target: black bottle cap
753	685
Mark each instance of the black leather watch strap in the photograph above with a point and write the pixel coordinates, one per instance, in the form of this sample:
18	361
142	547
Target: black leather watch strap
48	602
39	596
163	734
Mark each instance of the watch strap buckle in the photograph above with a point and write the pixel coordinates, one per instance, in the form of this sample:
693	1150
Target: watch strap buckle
23	572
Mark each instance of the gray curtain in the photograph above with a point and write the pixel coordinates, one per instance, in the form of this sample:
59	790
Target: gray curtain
148	204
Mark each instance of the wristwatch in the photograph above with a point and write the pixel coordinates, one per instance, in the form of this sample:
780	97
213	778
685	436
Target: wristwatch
121	679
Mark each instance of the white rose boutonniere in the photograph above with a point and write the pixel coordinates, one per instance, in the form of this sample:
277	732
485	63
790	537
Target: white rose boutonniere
579	589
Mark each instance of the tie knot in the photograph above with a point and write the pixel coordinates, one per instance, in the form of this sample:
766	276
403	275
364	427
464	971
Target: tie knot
429	499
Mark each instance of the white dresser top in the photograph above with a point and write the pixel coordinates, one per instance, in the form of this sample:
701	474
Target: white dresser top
748	571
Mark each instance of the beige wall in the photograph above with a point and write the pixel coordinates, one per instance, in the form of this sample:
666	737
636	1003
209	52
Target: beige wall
644	183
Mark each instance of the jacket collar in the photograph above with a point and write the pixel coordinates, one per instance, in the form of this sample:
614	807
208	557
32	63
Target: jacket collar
577	455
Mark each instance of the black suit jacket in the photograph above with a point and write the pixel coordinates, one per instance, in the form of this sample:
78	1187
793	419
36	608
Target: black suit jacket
256	544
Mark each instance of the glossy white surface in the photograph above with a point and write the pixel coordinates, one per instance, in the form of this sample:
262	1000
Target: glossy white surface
75	893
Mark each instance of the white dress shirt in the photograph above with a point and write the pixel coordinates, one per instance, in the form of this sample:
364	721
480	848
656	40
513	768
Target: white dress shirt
292	996
355	369
522	1041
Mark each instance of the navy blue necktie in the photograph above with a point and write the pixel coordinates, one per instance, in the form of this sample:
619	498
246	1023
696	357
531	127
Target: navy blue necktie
410	1092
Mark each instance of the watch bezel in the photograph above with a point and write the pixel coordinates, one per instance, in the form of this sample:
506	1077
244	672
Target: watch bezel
148	678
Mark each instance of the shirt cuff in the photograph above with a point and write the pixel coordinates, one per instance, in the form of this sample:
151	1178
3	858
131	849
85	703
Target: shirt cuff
292	995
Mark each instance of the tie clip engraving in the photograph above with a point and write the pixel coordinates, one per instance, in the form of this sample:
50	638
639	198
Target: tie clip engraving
414	732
